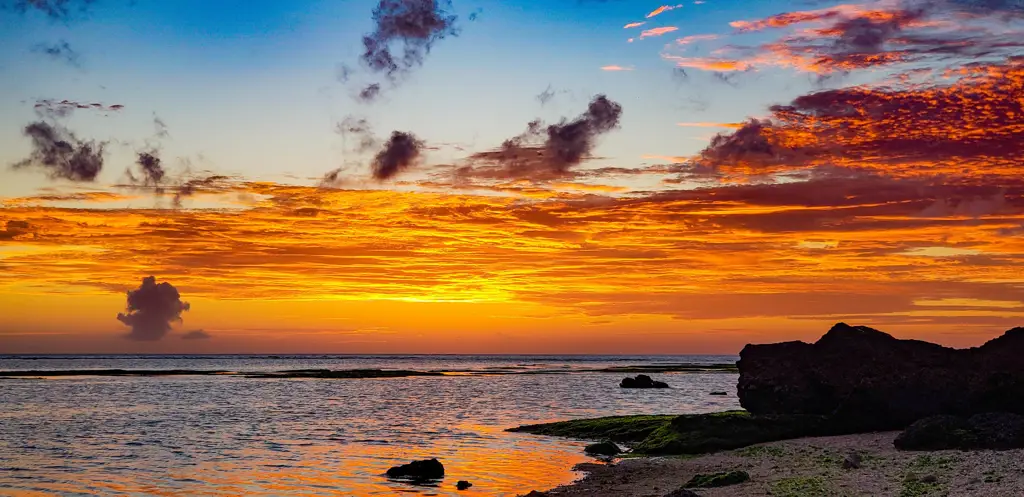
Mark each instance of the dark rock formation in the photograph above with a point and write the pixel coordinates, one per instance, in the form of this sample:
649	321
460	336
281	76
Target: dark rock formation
996	430
605	448
719	393
462	485
717	479
425	470
642	381
861	376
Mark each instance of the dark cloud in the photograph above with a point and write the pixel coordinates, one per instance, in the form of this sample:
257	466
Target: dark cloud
545	96
57	10
54	109
15	228
150	167
196	335
370	92
400	152
61	154
357	137
151	309
966	126
190	186
160	127
854	38
547	152
415	25
60	51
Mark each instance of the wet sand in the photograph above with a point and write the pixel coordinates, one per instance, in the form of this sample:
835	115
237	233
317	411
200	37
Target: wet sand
811	467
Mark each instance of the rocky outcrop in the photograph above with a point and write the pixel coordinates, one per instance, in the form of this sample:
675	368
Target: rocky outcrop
642	381
418	471
994	430
864	377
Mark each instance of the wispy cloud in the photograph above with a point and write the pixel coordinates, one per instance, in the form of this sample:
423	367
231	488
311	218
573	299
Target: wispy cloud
657	31
663	9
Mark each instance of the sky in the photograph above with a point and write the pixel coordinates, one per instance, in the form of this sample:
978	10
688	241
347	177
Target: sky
578	176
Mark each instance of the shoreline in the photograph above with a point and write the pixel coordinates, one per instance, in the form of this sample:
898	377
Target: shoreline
811	467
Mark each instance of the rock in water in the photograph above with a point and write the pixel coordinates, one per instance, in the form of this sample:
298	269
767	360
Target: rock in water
642	381
427	469
463	484
606	448
868	377
719	393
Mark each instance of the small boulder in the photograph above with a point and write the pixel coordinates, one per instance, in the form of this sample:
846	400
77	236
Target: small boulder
717	479
463	484
852	461
719	393
427	469
929	478
605	448
936	433
642	381
682	492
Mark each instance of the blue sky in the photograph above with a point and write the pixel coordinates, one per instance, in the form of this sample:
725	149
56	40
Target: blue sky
249	87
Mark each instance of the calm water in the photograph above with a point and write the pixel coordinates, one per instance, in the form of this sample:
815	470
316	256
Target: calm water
229	435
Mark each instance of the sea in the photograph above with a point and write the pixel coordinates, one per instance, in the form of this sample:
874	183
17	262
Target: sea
233	435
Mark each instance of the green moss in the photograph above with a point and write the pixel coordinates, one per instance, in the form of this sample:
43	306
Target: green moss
801	487
615	428
913	486
694	433
703	433
723	479
926	462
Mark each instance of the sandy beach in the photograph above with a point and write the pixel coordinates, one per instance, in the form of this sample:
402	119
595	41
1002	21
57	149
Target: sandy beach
814	467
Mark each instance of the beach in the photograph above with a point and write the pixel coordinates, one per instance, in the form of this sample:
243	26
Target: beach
811	467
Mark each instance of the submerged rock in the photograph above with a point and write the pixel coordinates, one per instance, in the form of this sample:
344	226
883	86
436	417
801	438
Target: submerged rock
718	479
719	393
642	381
864	376
462	485
605	448
427	469
997	430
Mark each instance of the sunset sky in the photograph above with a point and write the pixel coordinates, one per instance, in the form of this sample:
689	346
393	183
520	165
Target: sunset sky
703	175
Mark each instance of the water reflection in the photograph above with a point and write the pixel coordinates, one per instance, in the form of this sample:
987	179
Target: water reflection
214	435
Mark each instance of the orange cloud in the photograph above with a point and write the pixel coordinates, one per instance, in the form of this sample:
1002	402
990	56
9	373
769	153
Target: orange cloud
633	25
616	68
663	9
709	63
657	31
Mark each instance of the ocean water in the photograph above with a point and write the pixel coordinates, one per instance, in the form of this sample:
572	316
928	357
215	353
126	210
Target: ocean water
231	435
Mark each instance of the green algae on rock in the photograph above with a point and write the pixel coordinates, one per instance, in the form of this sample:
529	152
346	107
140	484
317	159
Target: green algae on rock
723	479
